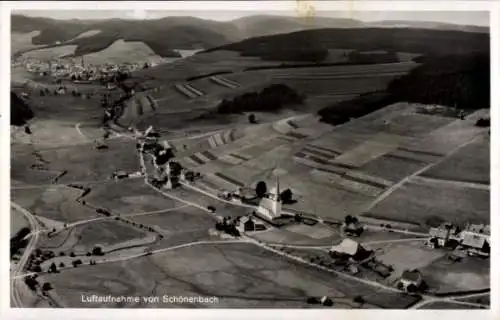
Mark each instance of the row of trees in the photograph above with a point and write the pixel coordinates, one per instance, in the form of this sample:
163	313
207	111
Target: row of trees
18	241
33	284
20	111
227	227
270	99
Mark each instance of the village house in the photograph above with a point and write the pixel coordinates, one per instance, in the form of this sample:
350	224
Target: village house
411	281
119	175
475	240
443	236
475	243
249	224
349	249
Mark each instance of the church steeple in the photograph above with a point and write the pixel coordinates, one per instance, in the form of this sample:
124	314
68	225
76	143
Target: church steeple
277	188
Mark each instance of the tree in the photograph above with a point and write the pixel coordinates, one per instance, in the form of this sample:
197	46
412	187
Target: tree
31	282
261	189
251	118
411	288
286	196
53	268
97	251
72	254
37	269
219	226
348	219
359	299
46	286
298	217
312	300
61	265
62	254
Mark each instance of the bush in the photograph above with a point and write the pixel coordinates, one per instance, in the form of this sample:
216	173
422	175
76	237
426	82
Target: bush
482	122
251	118
270	99
286	196
97	251
46	286
312	300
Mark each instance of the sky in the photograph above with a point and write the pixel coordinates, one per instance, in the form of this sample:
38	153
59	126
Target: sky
479	18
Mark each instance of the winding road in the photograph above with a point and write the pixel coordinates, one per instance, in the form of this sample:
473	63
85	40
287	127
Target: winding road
15	295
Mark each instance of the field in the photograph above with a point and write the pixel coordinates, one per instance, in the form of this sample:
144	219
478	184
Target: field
17	221
327	80
311	197
239	275
86	163
184	219
443	305
89	33
444	275
451	136
22	41
391	168
128	197
300	234
105	233
457	204
469	164
406	255
56	203
49	53
121	51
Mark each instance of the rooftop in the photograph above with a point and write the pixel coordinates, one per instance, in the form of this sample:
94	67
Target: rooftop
347	246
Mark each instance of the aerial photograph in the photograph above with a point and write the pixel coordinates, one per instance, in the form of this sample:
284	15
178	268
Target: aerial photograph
246	159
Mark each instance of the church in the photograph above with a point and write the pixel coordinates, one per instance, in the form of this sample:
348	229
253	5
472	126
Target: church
270	206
